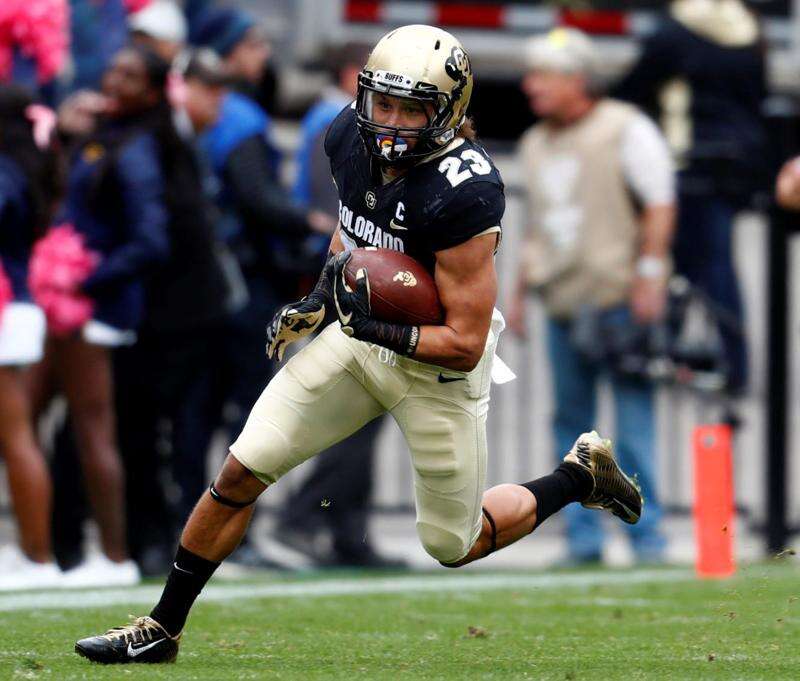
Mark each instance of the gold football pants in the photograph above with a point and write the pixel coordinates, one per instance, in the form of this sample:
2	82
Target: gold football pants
337	384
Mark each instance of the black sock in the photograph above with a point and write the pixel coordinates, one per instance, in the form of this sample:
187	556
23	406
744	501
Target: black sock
186	580
567	483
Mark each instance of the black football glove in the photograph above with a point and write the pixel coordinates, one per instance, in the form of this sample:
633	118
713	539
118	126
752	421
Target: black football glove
353	308
296	320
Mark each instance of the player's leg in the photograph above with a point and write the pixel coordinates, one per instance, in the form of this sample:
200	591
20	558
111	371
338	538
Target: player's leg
313	402
445	426
589	475
310	404
456	521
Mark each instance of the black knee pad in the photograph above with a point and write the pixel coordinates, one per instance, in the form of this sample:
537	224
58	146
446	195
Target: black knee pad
488	516
216	496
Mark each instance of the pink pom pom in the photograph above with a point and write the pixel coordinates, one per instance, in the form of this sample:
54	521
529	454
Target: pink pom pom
6	293
40	29
135	5
59	264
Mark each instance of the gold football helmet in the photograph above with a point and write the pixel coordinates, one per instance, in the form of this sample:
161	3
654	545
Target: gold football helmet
417	62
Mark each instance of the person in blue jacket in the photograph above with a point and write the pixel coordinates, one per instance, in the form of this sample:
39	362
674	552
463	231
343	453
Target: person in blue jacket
28	191
116	199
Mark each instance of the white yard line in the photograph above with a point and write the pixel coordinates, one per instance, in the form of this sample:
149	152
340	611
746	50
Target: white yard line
147	595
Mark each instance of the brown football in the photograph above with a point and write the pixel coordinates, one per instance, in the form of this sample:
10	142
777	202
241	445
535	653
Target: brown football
401	290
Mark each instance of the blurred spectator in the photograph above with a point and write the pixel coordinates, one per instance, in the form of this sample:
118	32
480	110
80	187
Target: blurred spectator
205	89
241	42
164	392
256	209
258	217
343	476
116	200
314	186
595	259
28	192
705	67
161	26
78	113
33	42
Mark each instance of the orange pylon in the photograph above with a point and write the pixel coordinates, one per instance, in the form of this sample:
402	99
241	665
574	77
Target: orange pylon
713	500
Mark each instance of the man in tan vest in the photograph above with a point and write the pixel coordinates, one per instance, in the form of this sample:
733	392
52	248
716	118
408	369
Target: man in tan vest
600	185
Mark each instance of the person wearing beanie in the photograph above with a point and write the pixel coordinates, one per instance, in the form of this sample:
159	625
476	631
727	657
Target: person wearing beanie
236	37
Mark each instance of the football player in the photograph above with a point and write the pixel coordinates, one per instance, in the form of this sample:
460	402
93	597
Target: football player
411	177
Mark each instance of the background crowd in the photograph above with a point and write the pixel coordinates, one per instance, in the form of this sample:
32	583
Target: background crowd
146	237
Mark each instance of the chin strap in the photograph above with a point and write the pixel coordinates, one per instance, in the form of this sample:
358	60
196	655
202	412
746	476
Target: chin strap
216	496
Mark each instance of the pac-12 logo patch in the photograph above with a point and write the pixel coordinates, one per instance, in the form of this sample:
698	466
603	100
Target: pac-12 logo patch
407	278
370	199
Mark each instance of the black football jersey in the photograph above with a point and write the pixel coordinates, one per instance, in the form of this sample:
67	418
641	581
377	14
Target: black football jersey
437	204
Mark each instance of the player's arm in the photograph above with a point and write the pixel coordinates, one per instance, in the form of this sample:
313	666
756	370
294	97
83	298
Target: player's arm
467	289
467	283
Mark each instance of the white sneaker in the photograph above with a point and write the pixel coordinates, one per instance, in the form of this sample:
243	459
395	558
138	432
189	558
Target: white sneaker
99	571
20	572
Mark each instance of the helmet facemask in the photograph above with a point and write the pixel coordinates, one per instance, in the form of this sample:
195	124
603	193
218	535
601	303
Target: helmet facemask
390	144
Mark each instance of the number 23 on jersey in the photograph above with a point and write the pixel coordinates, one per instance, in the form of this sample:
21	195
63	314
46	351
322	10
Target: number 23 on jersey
455	172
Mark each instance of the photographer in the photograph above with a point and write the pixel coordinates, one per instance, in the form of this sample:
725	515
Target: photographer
595	258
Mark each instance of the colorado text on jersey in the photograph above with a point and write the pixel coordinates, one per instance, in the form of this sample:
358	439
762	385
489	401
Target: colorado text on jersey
367	230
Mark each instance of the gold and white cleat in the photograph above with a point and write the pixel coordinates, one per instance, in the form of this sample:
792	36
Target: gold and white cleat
613	491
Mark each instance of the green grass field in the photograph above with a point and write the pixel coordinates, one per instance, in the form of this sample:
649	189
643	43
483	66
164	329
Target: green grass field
659	624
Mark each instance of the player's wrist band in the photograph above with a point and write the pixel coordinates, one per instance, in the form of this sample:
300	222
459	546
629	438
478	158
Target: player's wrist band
413	341
399	338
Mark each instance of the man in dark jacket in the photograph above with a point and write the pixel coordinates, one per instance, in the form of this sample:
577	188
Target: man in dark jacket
703	74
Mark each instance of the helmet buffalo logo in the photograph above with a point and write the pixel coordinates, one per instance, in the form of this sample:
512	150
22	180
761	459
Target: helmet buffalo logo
457	65
407	278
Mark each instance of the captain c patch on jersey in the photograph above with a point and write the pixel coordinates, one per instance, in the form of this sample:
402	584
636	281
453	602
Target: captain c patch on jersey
367	230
